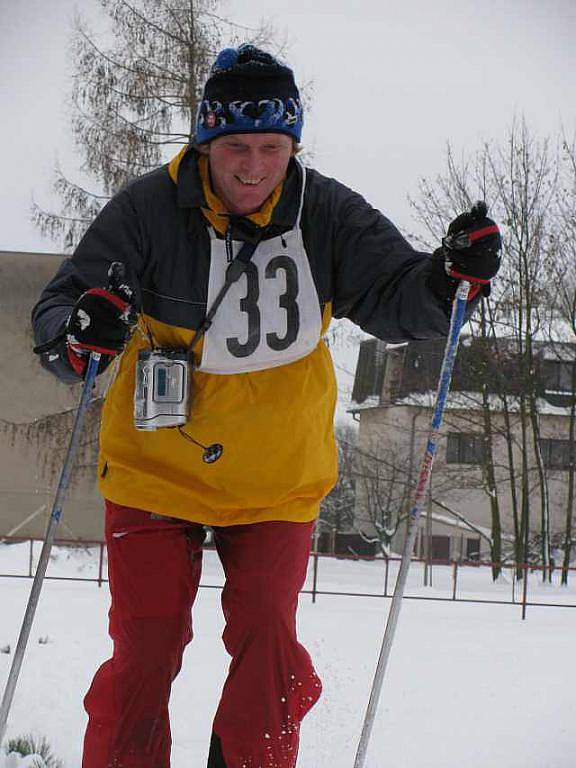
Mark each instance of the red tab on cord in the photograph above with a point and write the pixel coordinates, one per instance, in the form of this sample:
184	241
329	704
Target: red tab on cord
78	362
474	291
78	347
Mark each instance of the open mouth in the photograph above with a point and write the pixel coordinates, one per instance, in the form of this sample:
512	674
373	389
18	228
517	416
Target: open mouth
249	182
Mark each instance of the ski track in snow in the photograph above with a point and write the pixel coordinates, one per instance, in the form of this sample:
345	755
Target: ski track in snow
466	684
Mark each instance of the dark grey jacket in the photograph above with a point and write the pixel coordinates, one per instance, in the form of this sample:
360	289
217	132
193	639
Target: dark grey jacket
359	260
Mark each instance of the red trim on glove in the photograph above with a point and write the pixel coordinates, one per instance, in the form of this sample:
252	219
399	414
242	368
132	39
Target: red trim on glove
468	278
479	233
112	298
93	348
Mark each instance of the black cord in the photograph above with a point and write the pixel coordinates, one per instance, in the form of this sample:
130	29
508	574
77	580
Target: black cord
211	453
191	439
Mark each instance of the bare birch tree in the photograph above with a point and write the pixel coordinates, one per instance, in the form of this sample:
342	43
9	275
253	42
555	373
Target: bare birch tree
519	180
564	271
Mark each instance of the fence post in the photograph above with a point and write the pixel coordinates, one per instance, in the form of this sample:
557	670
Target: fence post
101	564
387	561
315	577
454	579
30	558
525	590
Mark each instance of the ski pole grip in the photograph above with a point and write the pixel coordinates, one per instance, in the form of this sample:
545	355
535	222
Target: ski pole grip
479	210
117	280
463	290
116	274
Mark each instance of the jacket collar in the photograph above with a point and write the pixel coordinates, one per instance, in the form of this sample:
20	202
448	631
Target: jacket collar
183	169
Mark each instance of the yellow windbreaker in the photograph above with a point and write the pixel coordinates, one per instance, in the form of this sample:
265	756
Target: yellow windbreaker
276	426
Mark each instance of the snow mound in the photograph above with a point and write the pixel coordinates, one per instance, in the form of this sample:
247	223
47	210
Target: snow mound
15	760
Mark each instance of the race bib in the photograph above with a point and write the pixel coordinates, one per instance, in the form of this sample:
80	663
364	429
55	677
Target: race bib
271	316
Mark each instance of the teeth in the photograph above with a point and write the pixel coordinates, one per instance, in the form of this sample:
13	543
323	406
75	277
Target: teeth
251	182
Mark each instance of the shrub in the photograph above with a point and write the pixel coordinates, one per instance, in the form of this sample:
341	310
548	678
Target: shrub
34	745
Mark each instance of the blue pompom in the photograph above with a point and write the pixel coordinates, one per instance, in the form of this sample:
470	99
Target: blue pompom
226	59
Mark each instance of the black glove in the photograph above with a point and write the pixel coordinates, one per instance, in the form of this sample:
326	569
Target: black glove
100	321
470	251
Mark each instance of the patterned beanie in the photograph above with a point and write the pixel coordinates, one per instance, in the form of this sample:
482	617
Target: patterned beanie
248	91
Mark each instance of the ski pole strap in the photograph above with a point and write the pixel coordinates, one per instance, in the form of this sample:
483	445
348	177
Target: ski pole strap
235	270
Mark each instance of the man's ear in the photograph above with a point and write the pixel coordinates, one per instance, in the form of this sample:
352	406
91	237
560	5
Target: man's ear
203	149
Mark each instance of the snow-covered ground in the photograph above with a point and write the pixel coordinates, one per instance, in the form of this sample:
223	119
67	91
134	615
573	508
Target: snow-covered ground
467	685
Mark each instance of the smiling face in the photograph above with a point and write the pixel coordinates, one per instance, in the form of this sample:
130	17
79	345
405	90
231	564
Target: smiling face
246	167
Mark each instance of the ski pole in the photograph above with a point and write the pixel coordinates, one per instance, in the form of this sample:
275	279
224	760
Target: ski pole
456	322
115	275
48	541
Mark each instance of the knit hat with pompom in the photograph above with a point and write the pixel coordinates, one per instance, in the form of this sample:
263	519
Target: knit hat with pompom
249	91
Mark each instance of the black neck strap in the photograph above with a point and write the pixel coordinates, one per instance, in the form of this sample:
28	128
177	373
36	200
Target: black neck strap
235	270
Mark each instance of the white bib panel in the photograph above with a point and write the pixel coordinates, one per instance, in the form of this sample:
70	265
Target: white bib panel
271	315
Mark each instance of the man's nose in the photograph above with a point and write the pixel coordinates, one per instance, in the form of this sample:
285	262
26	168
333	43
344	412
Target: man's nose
253	163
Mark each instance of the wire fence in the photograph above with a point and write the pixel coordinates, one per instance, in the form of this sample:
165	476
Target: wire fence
328	575
523	585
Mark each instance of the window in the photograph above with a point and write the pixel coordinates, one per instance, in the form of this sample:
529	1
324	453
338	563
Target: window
555	453
369	370
440	547
472	549
465	448
557	375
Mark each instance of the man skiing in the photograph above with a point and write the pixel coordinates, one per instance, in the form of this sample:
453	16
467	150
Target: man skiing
253	453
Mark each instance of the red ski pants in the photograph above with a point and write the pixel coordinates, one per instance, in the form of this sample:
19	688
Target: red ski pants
154	568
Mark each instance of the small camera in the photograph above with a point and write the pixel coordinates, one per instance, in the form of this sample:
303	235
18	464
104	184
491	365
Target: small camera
162	393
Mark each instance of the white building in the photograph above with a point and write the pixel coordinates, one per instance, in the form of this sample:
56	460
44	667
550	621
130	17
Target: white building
393	397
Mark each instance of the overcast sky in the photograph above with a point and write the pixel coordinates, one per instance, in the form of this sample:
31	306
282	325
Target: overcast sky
393	82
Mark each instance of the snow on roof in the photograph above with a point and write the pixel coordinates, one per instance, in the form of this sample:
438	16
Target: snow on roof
547	327
559	352
466	401
459	401
372	401
456	522
390	345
